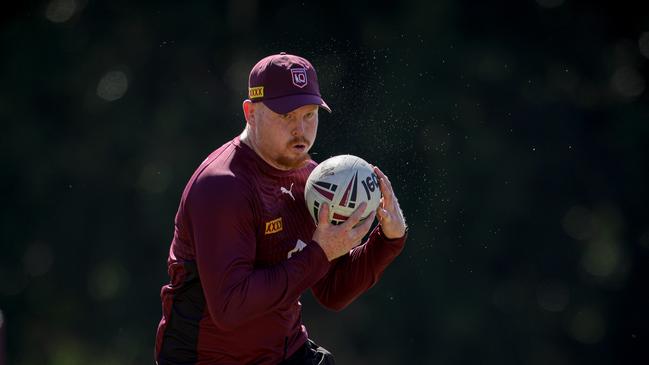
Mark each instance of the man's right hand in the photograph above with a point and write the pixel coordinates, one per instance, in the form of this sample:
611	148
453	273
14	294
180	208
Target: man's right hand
338	240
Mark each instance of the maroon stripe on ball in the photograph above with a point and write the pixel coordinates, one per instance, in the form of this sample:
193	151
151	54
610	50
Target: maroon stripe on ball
324	193
340	217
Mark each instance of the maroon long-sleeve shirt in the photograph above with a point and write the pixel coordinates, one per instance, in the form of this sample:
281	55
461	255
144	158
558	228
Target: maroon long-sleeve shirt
240	258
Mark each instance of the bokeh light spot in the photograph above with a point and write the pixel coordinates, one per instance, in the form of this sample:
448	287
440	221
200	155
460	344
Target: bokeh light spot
67	351
236	75
627	82
578	223
588	326
37	259
643	43
154	178
112	86
602	258
106	281
553	297
60	11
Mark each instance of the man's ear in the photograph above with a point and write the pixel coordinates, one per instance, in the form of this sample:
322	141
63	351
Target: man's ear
249	112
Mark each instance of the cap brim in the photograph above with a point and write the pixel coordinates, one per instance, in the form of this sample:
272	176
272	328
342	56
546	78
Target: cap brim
287	104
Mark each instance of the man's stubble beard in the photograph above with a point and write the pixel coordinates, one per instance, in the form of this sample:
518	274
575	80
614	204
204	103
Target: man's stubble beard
292	163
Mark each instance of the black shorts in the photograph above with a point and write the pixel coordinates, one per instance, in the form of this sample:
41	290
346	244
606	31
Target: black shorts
310	354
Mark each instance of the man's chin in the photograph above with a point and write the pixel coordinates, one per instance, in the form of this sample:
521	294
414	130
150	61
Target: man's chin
293	162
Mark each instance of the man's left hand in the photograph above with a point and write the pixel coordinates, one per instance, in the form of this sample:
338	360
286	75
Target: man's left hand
389	213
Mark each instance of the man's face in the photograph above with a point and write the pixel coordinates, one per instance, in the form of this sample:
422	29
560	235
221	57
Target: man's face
284	140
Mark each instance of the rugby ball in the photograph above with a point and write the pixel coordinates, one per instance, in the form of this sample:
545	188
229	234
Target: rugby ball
343	182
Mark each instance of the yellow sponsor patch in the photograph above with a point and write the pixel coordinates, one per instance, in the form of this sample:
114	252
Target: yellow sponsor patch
274	226
256	92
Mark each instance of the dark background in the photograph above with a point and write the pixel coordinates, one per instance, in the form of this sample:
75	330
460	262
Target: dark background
515	134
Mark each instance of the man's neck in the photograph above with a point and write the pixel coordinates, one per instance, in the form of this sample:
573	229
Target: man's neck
246	138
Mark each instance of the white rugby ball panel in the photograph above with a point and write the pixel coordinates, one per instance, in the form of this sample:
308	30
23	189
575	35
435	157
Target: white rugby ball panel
343	182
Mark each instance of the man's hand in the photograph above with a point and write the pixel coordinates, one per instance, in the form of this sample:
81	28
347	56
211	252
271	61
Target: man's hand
338	240
390	215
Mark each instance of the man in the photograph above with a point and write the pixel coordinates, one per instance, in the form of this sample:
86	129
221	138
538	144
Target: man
235	284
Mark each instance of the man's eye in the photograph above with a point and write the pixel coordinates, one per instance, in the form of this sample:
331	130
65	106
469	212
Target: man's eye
309	115
285	116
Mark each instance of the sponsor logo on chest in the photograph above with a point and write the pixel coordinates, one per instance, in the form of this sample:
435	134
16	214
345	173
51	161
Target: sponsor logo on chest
274	226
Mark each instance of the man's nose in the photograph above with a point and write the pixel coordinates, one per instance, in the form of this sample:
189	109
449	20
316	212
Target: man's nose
299	128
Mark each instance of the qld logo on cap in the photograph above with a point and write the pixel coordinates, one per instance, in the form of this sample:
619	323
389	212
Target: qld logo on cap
299	77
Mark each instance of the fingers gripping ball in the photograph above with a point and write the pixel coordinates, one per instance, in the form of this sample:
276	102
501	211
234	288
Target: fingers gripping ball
343	182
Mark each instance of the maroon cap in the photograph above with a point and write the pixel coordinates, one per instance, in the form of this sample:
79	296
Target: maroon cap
284	83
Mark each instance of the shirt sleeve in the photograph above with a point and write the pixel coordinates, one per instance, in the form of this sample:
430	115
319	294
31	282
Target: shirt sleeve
222	220
353	274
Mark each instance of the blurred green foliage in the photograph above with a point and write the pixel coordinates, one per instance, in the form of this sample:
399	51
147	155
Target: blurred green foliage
515	134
